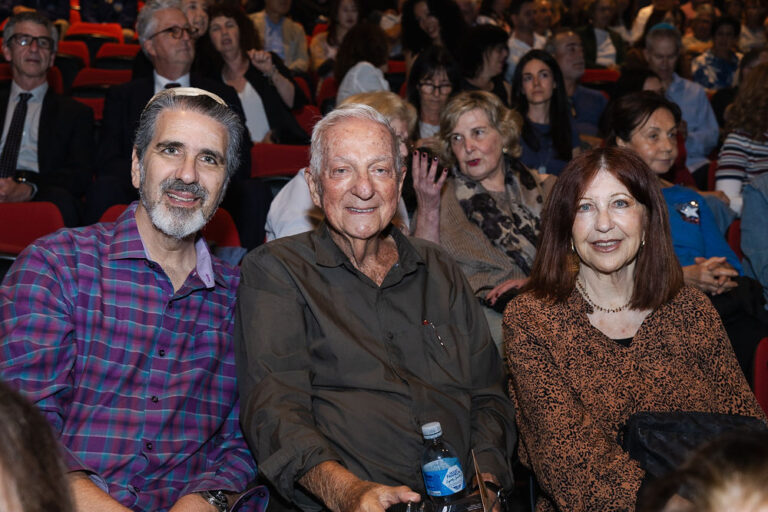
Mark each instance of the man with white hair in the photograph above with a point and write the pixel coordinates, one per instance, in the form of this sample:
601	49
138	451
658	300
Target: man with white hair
121	333
351	337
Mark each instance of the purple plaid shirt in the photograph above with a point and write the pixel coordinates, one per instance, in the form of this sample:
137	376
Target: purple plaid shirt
137	381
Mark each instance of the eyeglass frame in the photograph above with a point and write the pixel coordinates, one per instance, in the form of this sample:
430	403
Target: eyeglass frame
433	86
189	29
33	39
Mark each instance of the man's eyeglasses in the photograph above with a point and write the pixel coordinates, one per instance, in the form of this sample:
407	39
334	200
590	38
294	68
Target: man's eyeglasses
177	32
43	42
429	88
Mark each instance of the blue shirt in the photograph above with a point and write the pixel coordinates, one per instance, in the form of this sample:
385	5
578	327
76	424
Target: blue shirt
273	39
694	230
136	379
703	130
587	106
545	159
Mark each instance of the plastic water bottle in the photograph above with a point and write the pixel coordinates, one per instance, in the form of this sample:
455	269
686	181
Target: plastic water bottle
440	466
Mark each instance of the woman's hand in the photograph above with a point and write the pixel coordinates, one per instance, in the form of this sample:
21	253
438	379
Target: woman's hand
428	191
262	60
713	275
500	289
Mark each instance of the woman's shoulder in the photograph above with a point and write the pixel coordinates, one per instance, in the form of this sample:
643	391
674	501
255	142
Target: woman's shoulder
689	307
531	311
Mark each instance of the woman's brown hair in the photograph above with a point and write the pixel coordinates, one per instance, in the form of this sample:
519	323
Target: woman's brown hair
658	276
749	112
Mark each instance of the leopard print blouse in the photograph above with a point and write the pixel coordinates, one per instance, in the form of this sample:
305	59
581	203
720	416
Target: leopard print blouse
574	388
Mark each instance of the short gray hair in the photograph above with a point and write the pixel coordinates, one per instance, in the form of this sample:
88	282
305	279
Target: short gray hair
663	33
33	17
145	22
205	104
319	146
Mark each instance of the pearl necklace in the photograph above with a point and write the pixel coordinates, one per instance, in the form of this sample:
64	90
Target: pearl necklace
584	294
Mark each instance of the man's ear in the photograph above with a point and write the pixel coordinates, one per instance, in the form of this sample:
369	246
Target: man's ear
7	52
314	189
149	48
135	170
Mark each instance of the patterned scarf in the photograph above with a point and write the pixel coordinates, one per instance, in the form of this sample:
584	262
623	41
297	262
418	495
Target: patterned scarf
516	233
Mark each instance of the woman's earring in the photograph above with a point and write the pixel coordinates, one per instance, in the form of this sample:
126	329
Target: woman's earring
642	243
573	249
504	150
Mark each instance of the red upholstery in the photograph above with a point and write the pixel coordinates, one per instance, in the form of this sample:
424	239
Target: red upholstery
320	27
600	75
760	376
307	117
93	77
277	159
396	66
23	223
116	55
304	86
734	237
328	89
220	230
105	30
76	49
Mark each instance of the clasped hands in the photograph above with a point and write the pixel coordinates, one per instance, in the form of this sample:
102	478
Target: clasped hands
711	275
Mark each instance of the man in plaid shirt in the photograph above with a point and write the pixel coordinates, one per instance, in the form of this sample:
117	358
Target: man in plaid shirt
121	333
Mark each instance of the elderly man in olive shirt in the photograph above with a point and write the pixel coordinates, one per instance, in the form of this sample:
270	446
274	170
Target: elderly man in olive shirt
351	337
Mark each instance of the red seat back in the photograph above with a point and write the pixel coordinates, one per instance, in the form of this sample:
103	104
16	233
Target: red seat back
600	75
307	117
93	77
23	223
107	30
76	49
277	159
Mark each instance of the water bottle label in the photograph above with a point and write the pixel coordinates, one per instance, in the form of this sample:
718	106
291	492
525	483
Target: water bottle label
443	477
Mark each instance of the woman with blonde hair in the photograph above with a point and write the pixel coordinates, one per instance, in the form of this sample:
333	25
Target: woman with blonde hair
487	214
744	153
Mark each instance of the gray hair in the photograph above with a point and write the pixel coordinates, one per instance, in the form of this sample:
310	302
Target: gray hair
145	22
551	45
204	103
319	146
33	17
663	33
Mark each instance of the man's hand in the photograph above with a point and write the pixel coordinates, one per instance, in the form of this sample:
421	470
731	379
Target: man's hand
12	191
89	498
713	275
342	491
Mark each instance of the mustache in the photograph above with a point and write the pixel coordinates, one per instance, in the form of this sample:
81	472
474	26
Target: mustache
177	185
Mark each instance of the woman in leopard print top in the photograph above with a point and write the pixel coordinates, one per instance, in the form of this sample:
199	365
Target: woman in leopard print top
606	329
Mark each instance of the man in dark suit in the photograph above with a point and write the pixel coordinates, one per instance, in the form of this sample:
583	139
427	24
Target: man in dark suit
166	39
46	138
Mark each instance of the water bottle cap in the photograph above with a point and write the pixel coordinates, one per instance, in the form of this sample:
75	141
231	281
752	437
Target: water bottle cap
431	430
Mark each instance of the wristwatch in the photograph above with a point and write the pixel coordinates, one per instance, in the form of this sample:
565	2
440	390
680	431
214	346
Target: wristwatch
21	177
216	498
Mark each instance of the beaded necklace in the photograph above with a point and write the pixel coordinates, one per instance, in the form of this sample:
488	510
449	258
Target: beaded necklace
584	294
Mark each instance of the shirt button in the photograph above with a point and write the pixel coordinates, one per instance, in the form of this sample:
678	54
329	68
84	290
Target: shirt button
149	446
161	352
155	399
390	336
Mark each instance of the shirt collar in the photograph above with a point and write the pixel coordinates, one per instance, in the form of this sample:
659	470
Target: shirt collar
160	81
328	254
38	93
127	244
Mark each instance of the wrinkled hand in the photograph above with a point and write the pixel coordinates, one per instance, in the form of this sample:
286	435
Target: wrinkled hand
488	477
499	290
13	192
367	496
713	275
424	170
262	60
